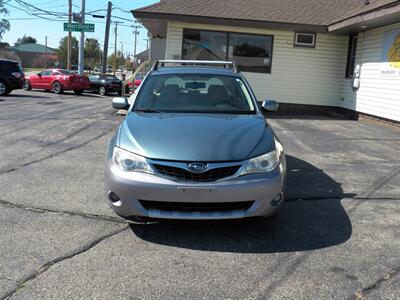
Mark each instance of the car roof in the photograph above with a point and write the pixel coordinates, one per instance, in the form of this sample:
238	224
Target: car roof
9	61
195	70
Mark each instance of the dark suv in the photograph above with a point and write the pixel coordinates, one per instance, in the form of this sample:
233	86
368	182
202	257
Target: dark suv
11	76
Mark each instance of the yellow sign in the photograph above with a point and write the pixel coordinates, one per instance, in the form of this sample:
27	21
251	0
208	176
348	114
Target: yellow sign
390	55
393	55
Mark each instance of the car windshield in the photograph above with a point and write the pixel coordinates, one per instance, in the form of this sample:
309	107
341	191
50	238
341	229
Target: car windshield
194	93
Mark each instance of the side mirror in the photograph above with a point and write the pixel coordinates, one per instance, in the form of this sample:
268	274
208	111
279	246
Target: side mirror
38	74
120	103
270	105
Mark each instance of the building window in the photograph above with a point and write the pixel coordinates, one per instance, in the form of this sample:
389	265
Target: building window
351	56
204	45
302	39
250	52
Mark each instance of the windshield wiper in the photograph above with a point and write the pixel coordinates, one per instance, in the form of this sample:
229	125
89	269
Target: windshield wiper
148	110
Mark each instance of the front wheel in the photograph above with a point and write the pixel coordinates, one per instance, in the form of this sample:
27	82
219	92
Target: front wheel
78	92
57	88
27	86
4	89
102	91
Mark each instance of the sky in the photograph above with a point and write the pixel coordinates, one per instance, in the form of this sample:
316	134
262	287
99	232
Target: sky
23	22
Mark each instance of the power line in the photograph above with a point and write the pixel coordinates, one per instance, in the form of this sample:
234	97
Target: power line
33	14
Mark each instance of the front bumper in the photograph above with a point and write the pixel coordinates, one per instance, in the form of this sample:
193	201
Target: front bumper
132	187
113	88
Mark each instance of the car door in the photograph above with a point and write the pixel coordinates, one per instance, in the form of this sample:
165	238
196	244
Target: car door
43	80
47	80
34	80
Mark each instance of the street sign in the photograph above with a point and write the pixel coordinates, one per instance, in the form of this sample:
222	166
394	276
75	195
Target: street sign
79	27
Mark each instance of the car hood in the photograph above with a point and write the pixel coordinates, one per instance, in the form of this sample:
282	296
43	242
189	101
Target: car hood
194	137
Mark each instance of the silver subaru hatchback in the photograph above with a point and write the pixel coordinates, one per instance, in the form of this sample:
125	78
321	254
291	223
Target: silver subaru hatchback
194	145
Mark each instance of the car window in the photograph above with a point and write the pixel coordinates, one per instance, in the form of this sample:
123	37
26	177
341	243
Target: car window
45	73
10	67
201	93
56	73
94	77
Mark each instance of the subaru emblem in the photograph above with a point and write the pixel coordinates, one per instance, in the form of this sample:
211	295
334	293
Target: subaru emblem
197	167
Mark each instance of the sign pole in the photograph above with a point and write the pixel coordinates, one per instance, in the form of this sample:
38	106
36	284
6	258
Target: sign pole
69	35
81	62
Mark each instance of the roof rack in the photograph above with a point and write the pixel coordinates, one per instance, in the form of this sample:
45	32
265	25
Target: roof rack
225	64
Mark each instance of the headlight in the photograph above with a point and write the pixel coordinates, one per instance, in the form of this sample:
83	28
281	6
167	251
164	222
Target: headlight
264	163
128	161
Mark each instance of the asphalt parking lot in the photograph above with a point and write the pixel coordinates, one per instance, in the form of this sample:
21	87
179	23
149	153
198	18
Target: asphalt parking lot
337	235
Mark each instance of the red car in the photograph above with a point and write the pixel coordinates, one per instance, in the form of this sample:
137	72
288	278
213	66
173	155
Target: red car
57	80
133	85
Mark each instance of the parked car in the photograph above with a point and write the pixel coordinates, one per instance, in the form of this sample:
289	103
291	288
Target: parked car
98	69
104	84
132	85
11	76
194	145
58	81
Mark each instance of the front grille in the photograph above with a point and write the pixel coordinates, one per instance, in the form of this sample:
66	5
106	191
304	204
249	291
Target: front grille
196	207
185	175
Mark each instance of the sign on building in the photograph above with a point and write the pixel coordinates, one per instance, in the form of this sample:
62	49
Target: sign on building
390	56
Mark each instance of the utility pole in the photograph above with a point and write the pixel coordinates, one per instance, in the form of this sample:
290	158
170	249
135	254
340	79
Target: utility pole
136	33
147	48
115	45
107	35
81	62
45	53
69	35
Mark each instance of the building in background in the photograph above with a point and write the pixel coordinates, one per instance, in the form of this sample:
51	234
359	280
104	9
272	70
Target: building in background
35	55
142	56
340	53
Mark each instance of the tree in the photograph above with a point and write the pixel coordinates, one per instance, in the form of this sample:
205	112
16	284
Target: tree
62	51
26	40
4	24
118	59
92	53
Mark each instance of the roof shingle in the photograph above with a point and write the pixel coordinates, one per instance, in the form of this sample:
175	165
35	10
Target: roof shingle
311	12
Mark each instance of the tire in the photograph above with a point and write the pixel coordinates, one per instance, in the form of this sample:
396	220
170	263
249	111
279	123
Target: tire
57	88
27	85
119	93
78	92
102	91
4	90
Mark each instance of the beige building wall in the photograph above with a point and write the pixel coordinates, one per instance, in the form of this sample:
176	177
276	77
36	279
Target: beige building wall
378	94
298	75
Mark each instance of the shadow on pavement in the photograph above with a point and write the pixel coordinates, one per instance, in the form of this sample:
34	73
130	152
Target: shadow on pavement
14	95
316	222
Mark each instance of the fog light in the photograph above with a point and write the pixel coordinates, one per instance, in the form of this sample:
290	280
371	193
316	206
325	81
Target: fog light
113	197
277	200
